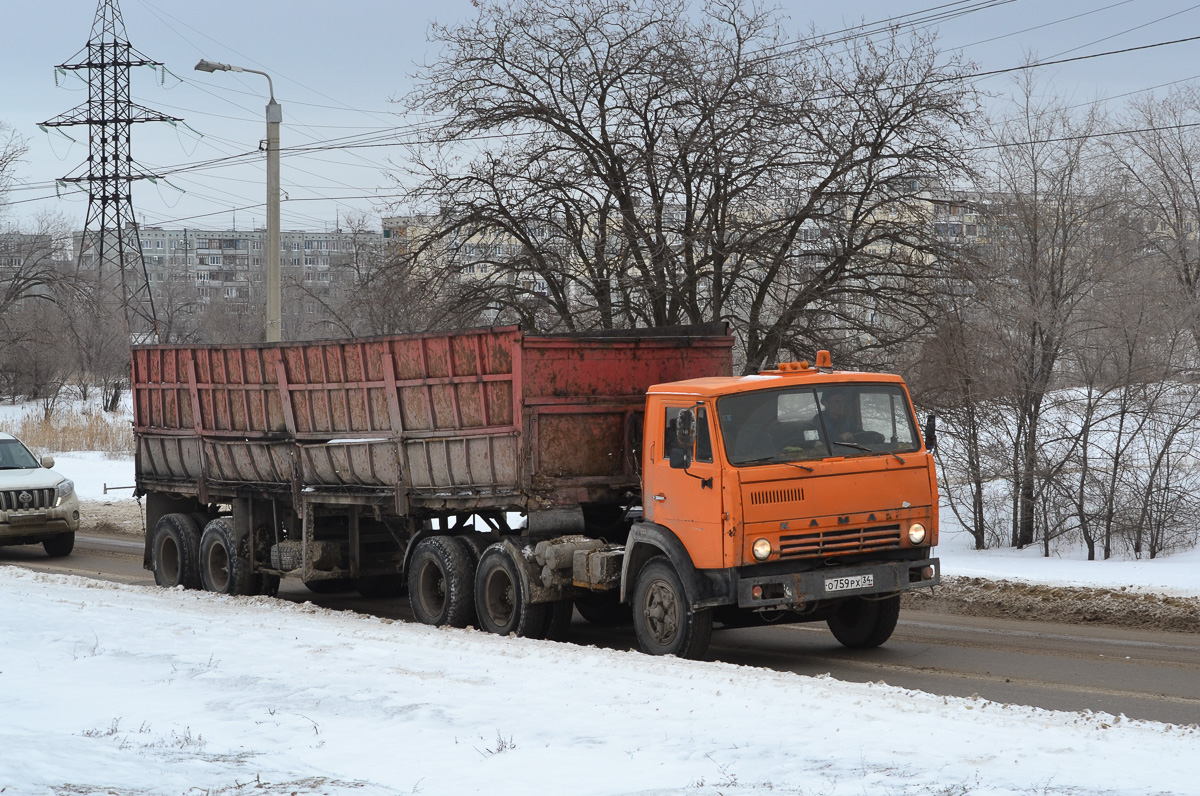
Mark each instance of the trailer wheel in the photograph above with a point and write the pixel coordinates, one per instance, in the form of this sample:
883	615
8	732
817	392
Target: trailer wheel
175	552
222	569
499	600
861	624
379	586
441	590
664	622
603	608
59	546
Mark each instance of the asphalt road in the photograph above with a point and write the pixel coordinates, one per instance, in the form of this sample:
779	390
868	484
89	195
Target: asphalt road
1142	674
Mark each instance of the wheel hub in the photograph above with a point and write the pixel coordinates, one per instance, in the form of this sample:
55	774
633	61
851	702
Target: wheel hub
662	612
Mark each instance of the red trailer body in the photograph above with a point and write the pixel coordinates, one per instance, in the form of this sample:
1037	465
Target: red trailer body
489	417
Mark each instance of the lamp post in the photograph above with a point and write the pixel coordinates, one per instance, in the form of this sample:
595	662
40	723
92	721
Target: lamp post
274	117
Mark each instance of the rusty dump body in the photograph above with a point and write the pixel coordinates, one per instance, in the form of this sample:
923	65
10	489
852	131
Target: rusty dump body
422	424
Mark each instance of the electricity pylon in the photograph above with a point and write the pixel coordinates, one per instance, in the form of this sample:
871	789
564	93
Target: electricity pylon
111	229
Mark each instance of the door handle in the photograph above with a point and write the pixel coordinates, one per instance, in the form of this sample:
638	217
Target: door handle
660	496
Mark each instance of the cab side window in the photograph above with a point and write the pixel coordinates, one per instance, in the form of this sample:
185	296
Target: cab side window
703	451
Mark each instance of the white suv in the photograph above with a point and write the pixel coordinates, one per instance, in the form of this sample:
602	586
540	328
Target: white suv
36	503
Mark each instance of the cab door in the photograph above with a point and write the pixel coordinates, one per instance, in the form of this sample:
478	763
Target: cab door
686	500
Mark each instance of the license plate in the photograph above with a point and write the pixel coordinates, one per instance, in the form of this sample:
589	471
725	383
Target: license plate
849	582
26	519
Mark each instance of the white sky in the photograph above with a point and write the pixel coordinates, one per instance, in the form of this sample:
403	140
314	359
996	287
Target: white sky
336	68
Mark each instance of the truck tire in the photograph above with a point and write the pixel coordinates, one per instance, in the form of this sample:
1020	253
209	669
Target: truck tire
558	620
59	546
859	623
603	608
441	587
222	569
499	600
379	586
475	543
175	552
662	618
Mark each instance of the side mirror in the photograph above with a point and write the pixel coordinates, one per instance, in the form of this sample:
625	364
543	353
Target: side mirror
681	459
931	433
48	462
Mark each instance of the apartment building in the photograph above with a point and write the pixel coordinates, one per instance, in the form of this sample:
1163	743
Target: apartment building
230	265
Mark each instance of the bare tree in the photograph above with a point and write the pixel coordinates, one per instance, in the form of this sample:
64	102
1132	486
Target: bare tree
31	261
658	165
1160	159
12	150
1053	214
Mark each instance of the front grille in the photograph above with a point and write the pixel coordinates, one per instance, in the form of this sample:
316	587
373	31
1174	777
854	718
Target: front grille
776	496
10	500
840	541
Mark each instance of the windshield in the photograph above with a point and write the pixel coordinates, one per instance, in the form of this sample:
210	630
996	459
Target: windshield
816	422
15	456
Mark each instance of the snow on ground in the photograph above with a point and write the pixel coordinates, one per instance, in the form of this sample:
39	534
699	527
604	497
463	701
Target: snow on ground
1175	575
106	688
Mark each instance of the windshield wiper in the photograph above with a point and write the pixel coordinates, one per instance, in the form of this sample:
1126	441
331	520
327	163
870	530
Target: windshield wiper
868	450
772	459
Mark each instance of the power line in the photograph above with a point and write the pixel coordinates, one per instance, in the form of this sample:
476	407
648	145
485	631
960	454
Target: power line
1127	30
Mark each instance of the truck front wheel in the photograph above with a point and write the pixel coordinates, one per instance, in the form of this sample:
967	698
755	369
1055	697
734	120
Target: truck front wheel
222	570
662	618
860	623
441	589
175	552
500	601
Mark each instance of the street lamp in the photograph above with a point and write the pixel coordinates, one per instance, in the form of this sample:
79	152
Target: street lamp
274	117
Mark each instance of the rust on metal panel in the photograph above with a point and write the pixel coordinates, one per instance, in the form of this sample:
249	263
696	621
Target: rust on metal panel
250	462
393	394
163	457
585	442
351	464
194	396
275	363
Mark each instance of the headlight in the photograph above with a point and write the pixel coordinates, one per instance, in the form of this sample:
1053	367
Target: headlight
66	488
916	533
762	549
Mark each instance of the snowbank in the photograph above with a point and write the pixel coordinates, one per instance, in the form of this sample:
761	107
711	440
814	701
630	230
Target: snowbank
107	688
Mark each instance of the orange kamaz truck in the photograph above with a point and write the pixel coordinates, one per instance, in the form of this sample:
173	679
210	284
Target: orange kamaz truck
504	480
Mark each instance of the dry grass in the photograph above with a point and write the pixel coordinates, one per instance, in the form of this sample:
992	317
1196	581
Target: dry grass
73	429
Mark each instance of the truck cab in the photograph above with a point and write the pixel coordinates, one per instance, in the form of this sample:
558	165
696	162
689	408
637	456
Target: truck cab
798	494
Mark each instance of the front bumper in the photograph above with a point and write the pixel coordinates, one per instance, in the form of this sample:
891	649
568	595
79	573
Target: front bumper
795	589
37	525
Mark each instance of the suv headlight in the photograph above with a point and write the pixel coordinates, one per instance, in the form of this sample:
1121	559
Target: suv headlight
66	488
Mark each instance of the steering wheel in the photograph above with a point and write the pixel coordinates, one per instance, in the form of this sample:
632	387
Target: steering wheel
797	438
